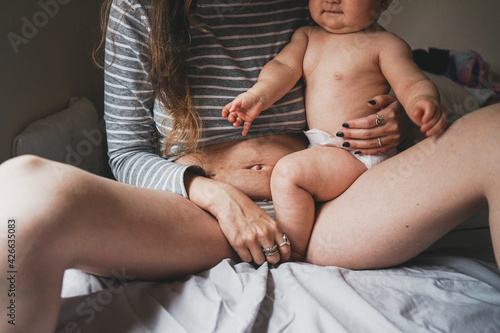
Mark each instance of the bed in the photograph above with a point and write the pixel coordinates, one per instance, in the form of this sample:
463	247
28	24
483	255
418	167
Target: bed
452	287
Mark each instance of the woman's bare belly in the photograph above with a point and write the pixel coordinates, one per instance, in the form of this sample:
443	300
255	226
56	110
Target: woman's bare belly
246	164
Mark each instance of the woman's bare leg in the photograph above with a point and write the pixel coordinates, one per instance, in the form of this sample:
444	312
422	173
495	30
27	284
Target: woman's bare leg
306	176
67	218
400	207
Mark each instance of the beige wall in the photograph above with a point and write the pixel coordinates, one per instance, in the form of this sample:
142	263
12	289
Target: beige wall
41	68
449	24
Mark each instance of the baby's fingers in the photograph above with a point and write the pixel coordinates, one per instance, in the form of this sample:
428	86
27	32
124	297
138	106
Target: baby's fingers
237	121
246	127
436	124
232	117
439	126
231	107
226	110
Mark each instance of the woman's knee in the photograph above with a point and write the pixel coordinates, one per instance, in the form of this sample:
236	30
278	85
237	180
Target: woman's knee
36	191
480	124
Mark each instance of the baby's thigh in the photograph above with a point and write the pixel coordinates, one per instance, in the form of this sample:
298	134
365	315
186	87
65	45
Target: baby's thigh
325	172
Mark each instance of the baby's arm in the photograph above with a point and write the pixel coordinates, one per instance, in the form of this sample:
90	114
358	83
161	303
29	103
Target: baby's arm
418	95
276	78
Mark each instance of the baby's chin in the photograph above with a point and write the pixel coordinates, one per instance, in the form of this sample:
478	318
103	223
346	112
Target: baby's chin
346	29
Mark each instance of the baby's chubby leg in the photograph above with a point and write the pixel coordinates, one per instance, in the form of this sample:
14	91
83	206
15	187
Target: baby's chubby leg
301	178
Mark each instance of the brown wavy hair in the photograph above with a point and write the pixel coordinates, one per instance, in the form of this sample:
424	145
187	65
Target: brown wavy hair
169	41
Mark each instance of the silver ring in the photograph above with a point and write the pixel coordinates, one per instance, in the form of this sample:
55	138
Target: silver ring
379	121
286	241
270	253
270	250
379	142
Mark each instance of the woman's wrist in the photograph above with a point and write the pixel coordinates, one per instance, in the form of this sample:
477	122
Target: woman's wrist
206	193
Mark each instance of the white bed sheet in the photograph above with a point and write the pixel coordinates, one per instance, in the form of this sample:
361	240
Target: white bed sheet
432	293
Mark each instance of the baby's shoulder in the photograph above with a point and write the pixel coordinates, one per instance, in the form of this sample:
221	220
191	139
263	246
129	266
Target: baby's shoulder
306	30
388	39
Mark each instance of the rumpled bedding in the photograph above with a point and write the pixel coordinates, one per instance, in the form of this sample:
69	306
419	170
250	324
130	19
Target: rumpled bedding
432	293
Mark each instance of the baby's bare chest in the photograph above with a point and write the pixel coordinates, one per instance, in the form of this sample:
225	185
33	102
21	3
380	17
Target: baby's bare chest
341	58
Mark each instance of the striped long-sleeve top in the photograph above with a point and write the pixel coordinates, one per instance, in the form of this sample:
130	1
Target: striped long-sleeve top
242	36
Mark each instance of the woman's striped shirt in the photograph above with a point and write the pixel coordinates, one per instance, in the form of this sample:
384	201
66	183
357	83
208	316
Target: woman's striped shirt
242	36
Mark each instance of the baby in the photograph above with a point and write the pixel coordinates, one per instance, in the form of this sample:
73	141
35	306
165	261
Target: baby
344	62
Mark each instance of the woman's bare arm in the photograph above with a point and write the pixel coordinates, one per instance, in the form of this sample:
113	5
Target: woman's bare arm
246	226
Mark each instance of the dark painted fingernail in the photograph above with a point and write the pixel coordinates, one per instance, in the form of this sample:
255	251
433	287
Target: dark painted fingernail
340	134
346	144
345	125
372	102
357	152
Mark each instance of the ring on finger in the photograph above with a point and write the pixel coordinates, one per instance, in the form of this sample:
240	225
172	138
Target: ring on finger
379	142
271	253
270	250
286	241
379	121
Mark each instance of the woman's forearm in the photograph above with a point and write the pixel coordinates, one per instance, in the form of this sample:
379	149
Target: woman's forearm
211	195
245	225
202	191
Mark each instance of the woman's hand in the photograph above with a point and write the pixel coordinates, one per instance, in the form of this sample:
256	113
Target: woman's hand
246	226
369	136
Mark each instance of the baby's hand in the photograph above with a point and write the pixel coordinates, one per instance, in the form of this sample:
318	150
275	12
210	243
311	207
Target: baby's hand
430	115
244	108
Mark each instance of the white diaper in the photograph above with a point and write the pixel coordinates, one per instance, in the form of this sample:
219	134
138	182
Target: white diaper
319	138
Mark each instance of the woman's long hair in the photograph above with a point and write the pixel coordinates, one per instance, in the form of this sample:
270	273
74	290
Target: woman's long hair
169	41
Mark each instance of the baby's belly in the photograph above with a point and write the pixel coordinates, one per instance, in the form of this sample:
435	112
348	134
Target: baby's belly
246	164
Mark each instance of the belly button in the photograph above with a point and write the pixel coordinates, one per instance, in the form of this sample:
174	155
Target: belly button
257	167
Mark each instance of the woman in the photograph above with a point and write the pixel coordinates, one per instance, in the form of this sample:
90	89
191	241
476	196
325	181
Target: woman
68	218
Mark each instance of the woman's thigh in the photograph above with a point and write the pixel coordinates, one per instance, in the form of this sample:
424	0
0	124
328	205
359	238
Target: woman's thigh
400	207
104	225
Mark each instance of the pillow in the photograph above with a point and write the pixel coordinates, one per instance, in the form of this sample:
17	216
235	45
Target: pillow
71	136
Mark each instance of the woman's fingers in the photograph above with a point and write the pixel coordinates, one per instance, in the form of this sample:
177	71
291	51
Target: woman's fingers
284	247
271	252
244	254
385	117
375	145
378	132
278	251
259	241
267	238
257	254
381	101
369	133
366	141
